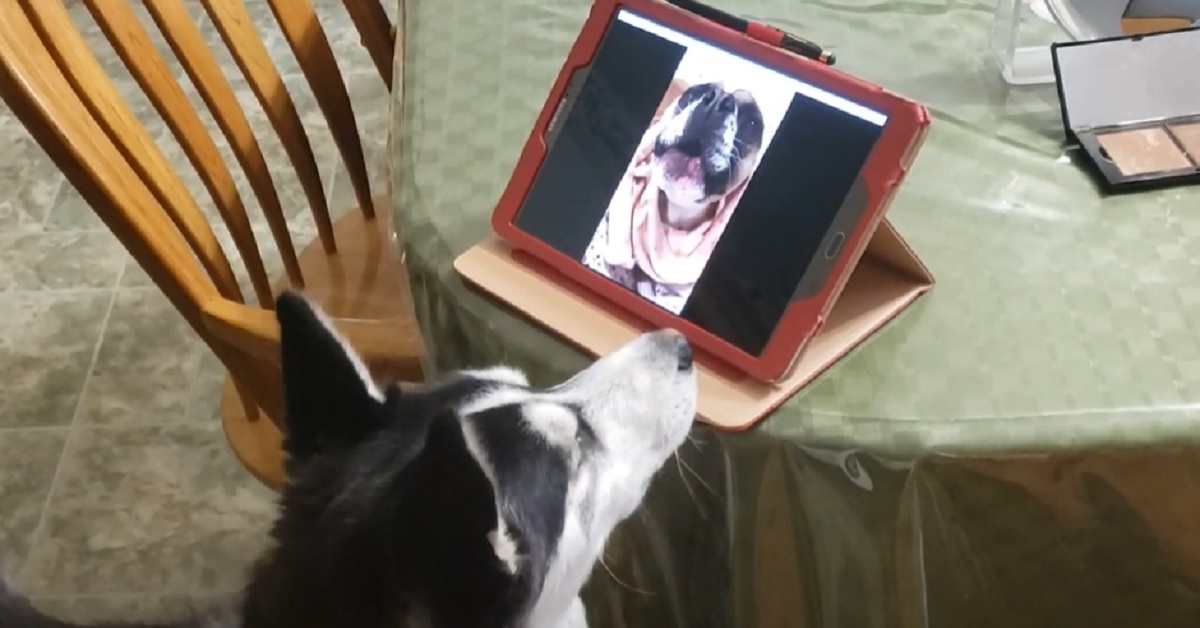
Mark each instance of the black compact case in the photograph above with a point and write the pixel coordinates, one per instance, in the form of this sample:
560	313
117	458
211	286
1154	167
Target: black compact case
1132	105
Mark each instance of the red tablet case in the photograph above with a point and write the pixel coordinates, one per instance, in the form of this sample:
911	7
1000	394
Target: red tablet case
876	277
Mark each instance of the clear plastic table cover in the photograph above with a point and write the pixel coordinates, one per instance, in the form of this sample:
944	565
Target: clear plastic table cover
1016	450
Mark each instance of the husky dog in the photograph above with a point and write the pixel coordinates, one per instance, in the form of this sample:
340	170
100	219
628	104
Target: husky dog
473	501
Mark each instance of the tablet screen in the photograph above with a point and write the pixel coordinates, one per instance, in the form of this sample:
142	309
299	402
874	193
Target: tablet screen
696	178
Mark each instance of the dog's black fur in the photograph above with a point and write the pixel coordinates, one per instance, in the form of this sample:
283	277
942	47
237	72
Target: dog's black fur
371	481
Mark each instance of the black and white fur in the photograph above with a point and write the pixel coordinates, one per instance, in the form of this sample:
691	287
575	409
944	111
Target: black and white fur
474	501
709	143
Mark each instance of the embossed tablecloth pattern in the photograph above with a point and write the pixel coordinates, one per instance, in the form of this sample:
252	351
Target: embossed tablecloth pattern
891	491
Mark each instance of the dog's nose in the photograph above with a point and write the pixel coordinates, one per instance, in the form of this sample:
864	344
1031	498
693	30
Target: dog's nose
684	354
726	104
672	340
718	101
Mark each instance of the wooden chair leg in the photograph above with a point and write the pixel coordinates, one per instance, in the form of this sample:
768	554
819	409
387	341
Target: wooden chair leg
256	442
248	406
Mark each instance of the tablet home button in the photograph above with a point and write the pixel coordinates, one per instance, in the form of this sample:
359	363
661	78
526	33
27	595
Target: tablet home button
835	245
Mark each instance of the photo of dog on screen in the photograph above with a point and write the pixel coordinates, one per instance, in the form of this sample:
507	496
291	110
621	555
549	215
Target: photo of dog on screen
687	175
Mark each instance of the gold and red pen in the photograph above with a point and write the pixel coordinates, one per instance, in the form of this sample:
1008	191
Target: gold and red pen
762	32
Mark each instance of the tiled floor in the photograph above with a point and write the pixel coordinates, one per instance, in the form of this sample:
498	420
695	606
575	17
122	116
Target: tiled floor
118	495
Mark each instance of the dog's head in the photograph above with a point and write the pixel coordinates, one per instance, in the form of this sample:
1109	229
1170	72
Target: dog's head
708	144
476	499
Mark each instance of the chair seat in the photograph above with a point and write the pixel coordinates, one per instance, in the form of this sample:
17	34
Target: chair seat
363	288
361	280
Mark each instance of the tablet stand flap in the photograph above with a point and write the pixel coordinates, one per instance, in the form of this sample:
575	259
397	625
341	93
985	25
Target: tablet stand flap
887	279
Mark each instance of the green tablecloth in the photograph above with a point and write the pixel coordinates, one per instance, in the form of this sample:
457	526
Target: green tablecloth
996	457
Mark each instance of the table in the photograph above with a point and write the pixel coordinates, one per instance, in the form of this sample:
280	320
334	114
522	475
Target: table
1019	449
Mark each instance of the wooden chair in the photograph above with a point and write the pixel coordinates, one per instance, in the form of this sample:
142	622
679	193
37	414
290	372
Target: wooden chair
56	87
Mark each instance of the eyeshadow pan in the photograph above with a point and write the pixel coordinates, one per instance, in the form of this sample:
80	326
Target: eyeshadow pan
1143	150
1188	136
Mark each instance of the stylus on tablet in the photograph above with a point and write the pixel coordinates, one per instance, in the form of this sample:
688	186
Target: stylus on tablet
762	32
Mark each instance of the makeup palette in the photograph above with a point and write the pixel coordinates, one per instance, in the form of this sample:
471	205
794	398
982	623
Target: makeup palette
1132	105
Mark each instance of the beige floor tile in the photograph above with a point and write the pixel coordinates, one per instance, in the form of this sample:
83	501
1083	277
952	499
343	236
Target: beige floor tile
148	510
30	181
28	459
117	608
59	261
47	343
146	363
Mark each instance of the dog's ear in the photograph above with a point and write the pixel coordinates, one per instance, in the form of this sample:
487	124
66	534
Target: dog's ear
330	399
451	534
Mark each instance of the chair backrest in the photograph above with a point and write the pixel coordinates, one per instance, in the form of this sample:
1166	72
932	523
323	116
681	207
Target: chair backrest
59	90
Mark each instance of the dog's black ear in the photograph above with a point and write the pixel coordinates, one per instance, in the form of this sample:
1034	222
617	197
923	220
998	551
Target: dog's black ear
451	535
329	396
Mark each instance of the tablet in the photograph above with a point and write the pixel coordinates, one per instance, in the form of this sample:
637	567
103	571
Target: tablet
699	179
